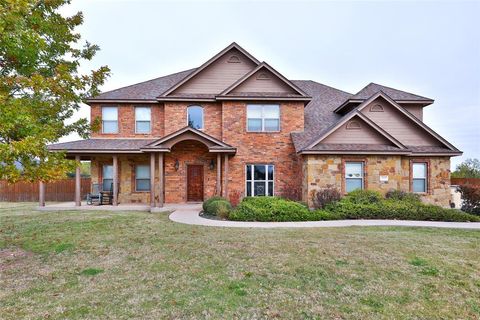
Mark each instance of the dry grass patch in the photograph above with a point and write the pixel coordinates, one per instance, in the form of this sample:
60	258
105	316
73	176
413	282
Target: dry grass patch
97	265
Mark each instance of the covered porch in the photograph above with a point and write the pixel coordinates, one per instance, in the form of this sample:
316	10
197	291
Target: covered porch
184	166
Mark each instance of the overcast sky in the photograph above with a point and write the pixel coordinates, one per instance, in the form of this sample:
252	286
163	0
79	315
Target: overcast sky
428	48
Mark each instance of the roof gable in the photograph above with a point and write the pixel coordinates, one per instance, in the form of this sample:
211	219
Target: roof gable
266	80
216	74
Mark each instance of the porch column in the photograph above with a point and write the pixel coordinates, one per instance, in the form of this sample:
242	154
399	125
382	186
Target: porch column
115	181
219	174
41	194
77	182
160	180
152	179
225	177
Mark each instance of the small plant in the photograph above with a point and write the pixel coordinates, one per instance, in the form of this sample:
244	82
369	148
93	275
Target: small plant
364	196
217	207
210	200
321	198
235	197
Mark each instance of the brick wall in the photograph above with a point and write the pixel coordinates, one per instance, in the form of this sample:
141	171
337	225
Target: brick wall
126	121
264	148
326	171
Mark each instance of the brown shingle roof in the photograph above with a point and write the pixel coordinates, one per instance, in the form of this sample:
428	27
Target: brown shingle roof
395	94
102	145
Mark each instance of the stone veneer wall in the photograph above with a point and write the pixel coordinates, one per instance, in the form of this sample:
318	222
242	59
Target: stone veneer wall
326	171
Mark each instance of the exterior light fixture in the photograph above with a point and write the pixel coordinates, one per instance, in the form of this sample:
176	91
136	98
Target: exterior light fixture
212	164
177	165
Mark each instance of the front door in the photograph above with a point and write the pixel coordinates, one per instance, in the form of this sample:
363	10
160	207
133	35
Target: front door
194	182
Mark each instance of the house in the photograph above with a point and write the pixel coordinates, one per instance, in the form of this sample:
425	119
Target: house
237	127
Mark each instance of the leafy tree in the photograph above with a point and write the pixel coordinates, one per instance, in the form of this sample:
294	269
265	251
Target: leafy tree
469	168
41	86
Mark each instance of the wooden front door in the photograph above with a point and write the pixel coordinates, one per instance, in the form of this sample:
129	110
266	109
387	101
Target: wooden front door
194	182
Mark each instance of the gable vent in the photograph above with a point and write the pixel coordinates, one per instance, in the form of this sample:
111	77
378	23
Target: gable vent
376	108
234	59
353	125
263	76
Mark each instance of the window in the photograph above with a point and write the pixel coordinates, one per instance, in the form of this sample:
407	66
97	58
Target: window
263	118
195	117
419	177
142	119
110	119
259	179
353	176
142	178
107	177
353	125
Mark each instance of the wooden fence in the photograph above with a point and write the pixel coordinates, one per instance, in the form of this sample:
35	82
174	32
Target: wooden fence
60	190
462	181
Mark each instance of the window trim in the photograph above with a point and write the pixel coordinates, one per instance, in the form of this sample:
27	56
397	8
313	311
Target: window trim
263	118
365	174
103	121
136	121
427	177
135	176
252	181
203	116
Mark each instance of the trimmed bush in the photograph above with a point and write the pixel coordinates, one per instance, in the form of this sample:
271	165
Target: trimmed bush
209	200
270	209
363	196
323	197
219	207
402	196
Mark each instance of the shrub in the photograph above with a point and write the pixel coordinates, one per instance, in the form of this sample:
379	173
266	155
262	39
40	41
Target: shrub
402	196
219	207
269	209
471	198
363	196
325	196
209	200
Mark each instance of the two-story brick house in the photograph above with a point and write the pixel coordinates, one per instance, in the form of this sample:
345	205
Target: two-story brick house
237	127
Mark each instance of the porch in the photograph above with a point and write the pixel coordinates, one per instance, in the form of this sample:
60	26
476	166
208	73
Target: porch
71	206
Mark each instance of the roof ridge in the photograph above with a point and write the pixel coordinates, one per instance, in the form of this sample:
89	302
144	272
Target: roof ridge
141	82
325	85
391	88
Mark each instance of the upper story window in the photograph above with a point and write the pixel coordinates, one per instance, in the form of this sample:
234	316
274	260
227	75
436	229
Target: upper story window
419	177
263	118
109	119
143	117
195	117
353	176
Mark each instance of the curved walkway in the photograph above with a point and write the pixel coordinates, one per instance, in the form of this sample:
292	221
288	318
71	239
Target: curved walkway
188	214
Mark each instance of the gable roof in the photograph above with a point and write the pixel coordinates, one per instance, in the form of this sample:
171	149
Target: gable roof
206	64
264	65
212	143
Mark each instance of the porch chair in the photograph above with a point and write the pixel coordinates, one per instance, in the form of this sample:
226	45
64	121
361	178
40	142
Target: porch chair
106	197
95	195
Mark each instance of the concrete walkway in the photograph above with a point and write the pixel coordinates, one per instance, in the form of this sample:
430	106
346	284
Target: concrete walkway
188	214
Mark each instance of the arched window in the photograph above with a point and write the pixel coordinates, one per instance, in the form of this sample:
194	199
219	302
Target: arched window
376	108
353	125
195	117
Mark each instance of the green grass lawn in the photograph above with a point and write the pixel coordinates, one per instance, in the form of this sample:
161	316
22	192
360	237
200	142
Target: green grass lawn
97	265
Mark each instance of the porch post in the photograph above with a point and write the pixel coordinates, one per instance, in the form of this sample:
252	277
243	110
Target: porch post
152	180
41	194
219	174
77	182
115	180
225	177
160	180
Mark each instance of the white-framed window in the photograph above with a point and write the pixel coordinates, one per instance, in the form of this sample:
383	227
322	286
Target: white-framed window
142	177
354	176
419	177
259	180
195	117
143	119
263	117
109	119
107	177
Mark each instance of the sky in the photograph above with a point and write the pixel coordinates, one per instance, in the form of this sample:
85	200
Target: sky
431	48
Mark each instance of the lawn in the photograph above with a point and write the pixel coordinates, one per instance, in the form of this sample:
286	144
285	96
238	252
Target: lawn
97	265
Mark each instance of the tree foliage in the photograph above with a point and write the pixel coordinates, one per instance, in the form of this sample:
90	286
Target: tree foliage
41	86
469	168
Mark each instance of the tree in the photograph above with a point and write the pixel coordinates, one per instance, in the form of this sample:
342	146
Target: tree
469	168
41	86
